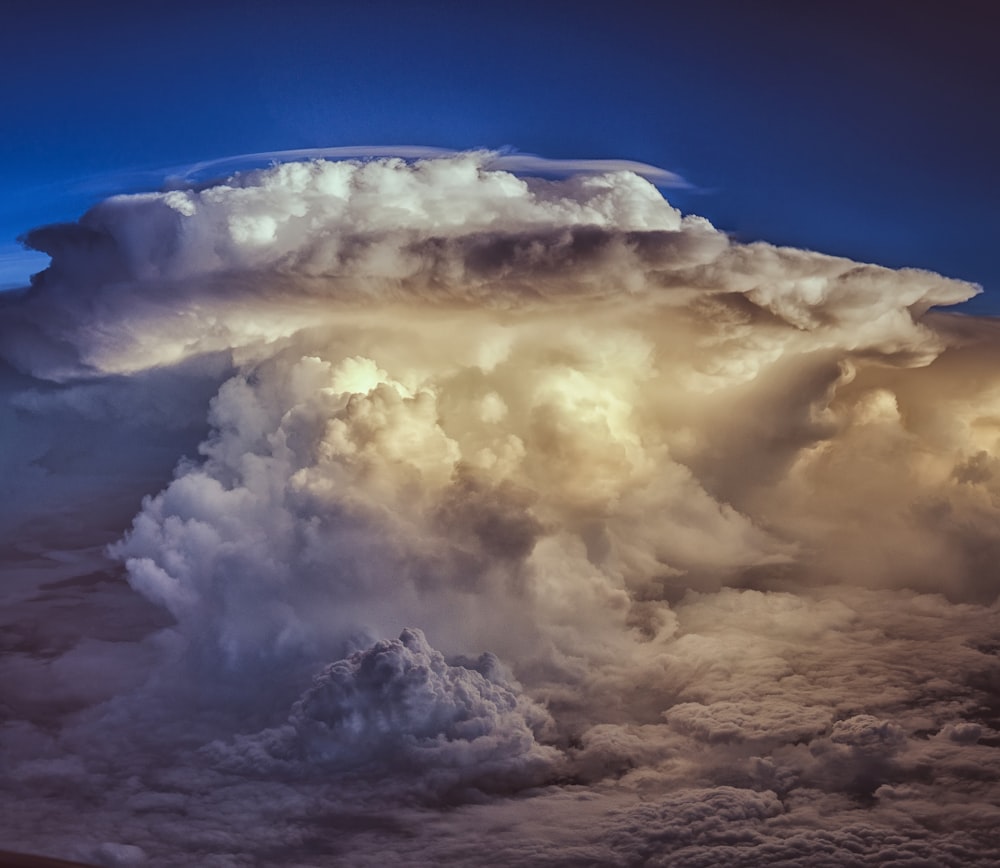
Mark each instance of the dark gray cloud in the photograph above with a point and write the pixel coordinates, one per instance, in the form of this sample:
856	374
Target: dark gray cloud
398	710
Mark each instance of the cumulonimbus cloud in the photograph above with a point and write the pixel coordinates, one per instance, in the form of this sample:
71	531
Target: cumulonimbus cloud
726	512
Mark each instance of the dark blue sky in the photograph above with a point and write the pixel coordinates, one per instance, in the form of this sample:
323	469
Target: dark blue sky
868	129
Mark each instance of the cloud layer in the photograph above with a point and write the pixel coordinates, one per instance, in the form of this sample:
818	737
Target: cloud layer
724	514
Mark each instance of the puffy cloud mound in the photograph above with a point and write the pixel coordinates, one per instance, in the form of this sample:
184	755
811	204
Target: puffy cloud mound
399	708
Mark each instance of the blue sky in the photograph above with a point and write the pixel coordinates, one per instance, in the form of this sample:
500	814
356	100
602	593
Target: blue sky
858	128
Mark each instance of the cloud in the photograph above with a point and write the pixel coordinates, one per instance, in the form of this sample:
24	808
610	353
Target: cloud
398	709
688	544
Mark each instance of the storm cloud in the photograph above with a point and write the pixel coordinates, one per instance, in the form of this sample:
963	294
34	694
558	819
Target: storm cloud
689	545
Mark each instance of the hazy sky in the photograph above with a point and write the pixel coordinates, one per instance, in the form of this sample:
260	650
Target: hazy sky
554	444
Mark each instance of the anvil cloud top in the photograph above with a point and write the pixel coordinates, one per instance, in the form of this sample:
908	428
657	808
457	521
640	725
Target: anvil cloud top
862	129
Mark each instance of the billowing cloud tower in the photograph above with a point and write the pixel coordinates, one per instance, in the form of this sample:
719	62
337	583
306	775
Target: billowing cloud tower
701	536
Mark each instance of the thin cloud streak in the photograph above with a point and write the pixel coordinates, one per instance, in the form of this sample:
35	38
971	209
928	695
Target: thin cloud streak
503	160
